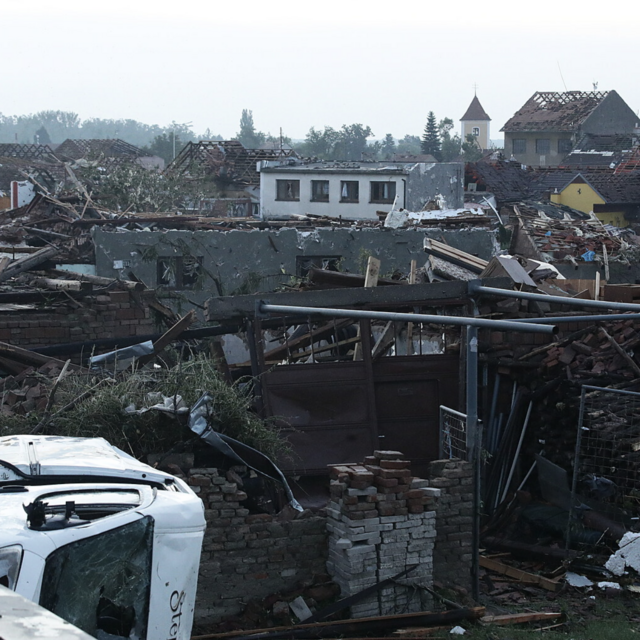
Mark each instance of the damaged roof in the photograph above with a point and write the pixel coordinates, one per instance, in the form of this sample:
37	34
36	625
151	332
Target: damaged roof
226	160
554	111
96	149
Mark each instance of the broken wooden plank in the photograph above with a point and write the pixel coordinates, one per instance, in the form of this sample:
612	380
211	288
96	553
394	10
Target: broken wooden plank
18	354
168	337
370	281
628	359
521	618
519	574
126	284
62	285
28	262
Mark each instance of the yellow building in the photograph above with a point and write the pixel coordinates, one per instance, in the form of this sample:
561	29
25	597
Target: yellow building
581	195
476	122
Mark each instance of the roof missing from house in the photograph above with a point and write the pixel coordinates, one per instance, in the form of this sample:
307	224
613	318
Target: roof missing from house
552	111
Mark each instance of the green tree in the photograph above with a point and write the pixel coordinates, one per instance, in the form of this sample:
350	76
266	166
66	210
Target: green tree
41	136
450	144
319	143
471	150
388	147
162	146
430	137
352	142
409	146
248	136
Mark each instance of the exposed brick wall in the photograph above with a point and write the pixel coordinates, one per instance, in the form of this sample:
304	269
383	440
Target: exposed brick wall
452	554
115	315
247	557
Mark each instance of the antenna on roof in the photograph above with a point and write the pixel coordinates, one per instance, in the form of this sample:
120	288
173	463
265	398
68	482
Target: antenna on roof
561	76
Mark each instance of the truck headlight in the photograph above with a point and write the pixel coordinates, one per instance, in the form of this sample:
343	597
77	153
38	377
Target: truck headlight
10	560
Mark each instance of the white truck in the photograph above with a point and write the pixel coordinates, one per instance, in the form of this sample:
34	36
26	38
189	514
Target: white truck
102	540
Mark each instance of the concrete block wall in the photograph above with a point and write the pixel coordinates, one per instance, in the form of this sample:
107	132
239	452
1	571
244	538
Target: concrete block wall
250	556
380	525
117	314
452	553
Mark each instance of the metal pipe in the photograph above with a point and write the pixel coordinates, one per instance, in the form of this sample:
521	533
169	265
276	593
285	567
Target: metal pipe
593	318
475	288
496	325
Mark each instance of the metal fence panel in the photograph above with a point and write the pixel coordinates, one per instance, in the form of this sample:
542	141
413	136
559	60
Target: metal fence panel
453	434
606	475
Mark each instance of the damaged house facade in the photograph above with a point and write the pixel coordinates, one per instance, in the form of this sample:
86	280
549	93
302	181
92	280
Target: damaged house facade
548	126
356	190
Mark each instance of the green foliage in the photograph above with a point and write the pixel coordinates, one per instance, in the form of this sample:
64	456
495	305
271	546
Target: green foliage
163	146
347	144
248	136
409	146
133	188
471	149
431	137
450	144
388	147
320	144
101	413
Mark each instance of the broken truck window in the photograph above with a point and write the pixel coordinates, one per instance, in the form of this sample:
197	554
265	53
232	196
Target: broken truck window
101	584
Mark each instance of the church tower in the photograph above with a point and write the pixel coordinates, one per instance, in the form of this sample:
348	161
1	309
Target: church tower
476	122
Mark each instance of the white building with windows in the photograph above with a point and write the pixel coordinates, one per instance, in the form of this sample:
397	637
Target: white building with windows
356	190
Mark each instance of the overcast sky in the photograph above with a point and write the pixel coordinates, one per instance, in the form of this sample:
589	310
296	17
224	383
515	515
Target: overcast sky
299	64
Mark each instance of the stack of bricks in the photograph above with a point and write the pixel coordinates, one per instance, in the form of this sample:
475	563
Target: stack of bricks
381	522
248	556
454	522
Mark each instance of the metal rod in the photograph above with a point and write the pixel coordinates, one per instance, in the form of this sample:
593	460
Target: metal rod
475	288
474	446
517	453
496	325
593	318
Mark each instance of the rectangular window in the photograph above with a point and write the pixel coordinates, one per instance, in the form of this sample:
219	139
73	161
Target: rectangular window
519	145
475	131
288	189
564	145
305	263
319	191
383	192
349	191
182	272
543	146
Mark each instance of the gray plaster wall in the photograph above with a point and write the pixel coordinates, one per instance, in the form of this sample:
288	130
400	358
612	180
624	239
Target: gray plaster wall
237	262
426	181
613	115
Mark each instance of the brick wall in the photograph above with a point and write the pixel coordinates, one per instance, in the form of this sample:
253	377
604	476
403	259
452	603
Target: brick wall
249	557
452	553
115	315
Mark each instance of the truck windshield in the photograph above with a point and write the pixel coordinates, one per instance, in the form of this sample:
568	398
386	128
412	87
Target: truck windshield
102	584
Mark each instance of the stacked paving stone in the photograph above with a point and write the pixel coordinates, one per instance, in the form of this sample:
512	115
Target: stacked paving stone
248	556
454	522
381	522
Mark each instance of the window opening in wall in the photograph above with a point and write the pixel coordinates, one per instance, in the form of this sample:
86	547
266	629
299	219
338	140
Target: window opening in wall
319	191
519	145
475	131
288	189
349	191
383	192
181	272
543	146
305	263
564	145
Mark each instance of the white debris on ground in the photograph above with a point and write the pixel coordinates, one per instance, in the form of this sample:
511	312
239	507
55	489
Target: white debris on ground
609	585
576	580
457	631
398	219
627	556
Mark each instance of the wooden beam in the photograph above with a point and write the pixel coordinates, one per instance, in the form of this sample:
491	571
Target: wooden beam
28	262
522	618
167	338
519	574
370	281
31	357
62	285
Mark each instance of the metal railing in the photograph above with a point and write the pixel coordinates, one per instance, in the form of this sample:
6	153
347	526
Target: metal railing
453	434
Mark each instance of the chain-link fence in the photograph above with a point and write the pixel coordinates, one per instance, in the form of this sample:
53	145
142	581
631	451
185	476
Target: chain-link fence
606	477
453	434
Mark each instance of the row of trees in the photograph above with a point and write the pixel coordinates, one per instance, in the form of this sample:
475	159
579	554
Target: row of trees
349	143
